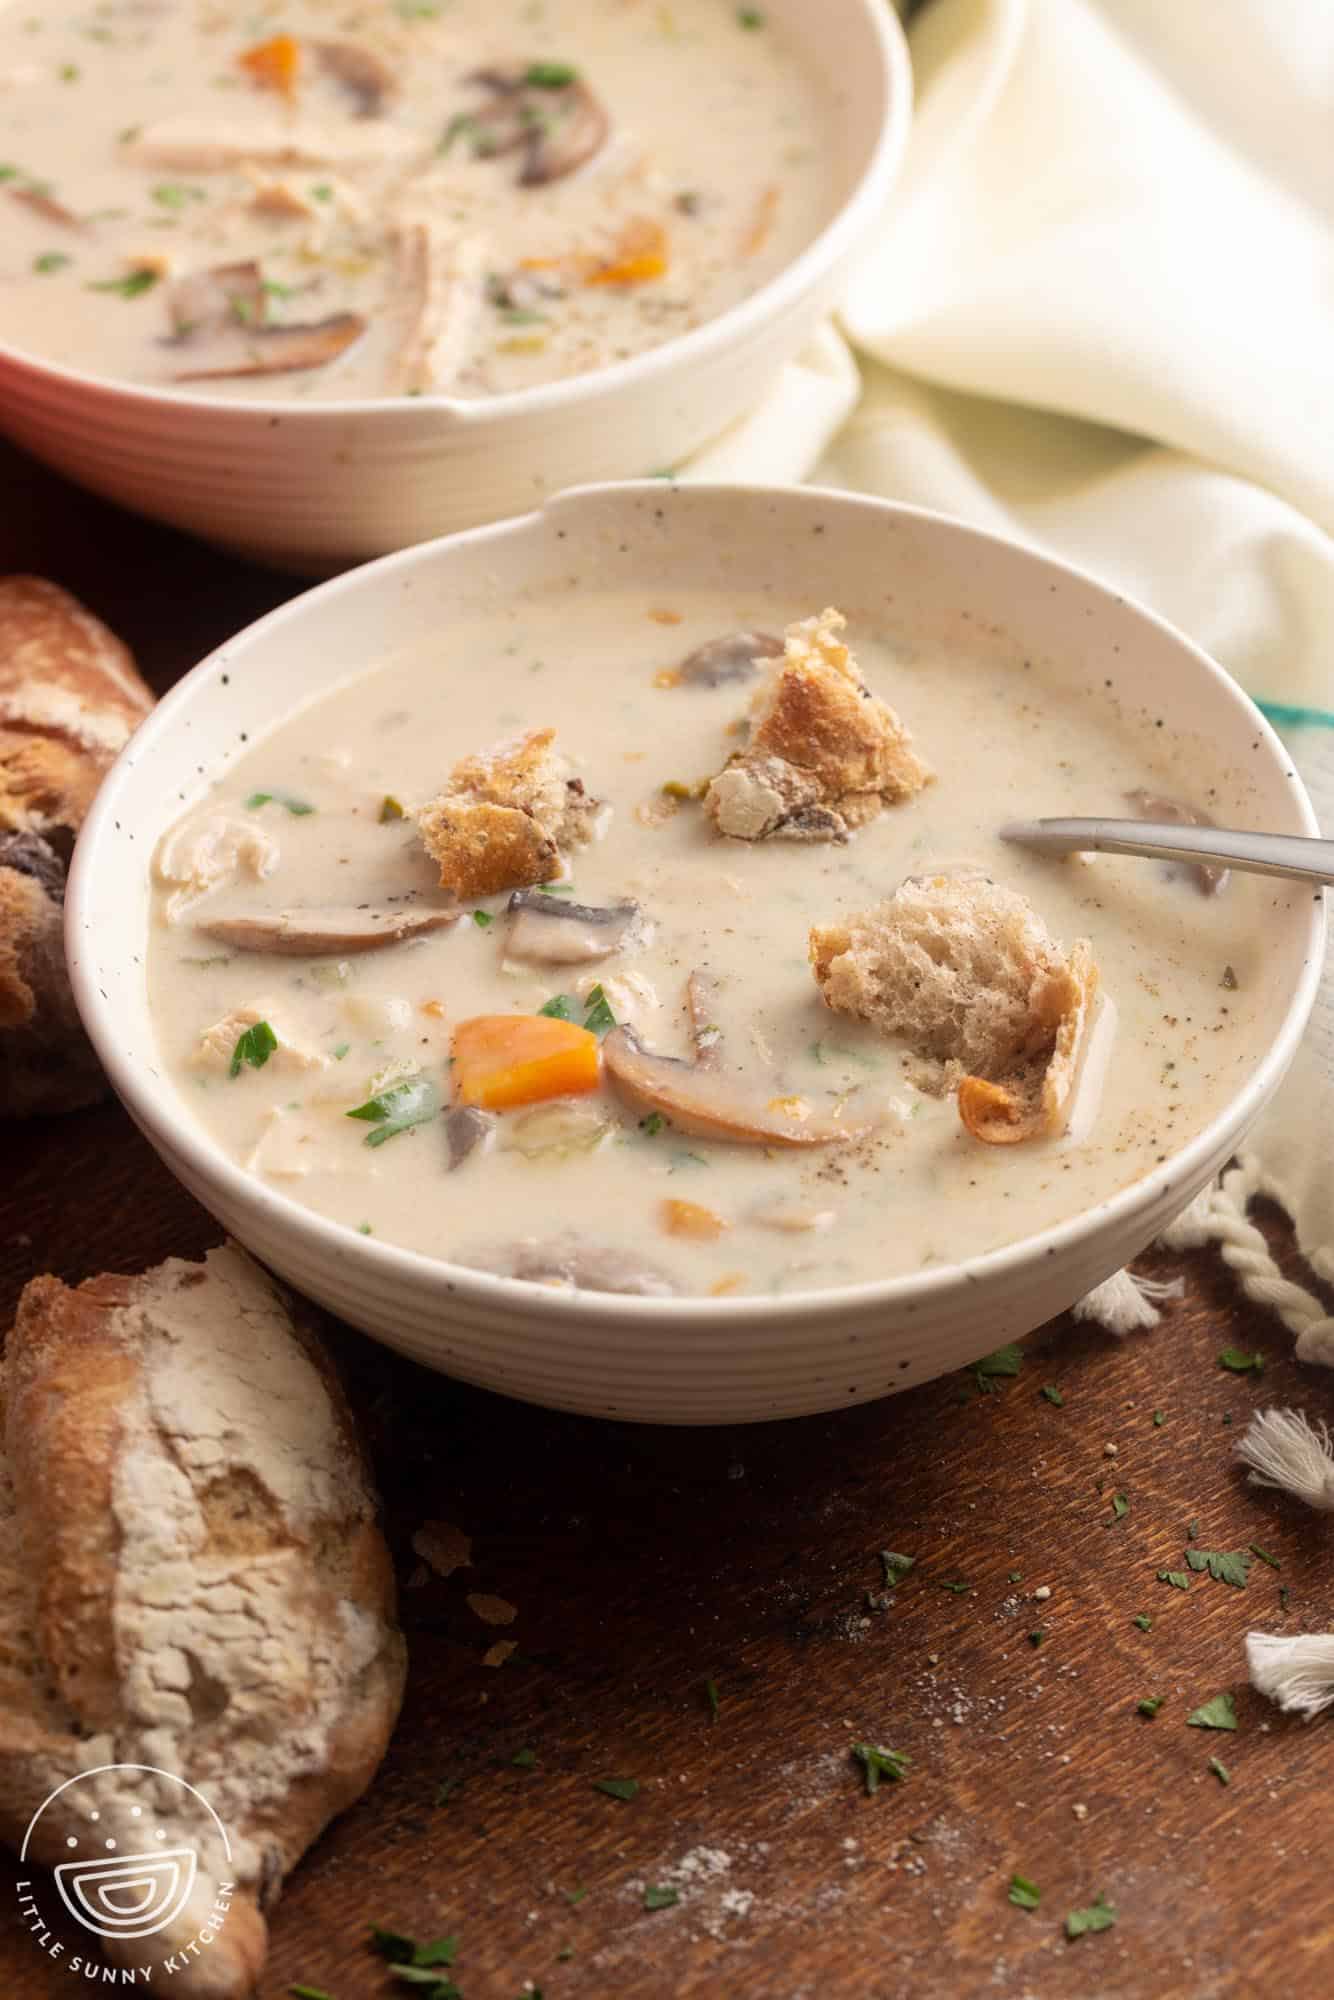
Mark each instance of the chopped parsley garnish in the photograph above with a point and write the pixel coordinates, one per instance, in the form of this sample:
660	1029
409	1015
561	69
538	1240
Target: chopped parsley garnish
297	807
664	1898
598	1018
1265	1556
711	1696
1144	1622
465	125
749	17
52	260
446	1789
1176	1577
1283	1595
321	192
1220	1713
1037	1635
652	1125
1192	1531
1120	1506
617	1788
1025	1895
557	888
391	809
483	919
896	1567
1159	1419
573	1896
132	286
341	1051
560	1007
550	75
300	1992
1220	1770
524	1760
1099	1916
397	1109
255	1047
1053	1395
69	72
8	172
1015	1576
175	194
1005	1361
959	1588
1224	1566
877	1763
1238	1362
1150	1705
684	1158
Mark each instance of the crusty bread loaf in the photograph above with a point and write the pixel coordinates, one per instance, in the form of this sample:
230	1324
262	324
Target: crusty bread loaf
69	699
191	1579
824	754
507	817
968	974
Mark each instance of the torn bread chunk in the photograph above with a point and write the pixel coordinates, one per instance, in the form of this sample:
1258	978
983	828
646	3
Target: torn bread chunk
508	817
967	972
824	754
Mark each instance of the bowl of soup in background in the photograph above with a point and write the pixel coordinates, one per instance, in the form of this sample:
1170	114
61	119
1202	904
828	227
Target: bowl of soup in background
934	589
314	484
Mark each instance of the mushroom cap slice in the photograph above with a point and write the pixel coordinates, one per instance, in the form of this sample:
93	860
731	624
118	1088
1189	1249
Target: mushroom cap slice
281	350
1029	1106
556	126
699	1098
736	657
368	80
46	207
335	932
551	930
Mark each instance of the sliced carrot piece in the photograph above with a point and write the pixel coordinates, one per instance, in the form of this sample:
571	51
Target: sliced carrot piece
691	1218
505	1059
273	65
640	254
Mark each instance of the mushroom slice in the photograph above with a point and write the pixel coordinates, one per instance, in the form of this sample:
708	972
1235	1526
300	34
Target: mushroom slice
734	658
46	207
281	350
222	296
549	930
326	933
366	79
466	1128
568	1263
1026	1106
1210	877
544	111
697	1098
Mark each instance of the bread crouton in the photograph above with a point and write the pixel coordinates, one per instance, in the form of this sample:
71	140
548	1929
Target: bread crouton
507	817
968	974
824	755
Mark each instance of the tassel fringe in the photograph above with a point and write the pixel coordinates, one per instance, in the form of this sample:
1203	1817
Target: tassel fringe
1296	1673
1285	1450
1124	1303
1219	1215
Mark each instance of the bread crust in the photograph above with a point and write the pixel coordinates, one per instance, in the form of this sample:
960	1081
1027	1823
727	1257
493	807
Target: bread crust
824	754
70	697
192	1578
966	971
506	817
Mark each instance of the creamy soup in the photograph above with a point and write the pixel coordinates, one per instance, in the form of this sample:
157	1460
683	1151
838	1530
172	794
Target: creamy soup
328	199
333	1077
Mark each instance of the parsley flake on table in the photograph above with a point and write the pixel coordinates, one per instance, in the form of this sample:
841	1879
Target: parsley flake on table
877	1763
1007	1360
1176	1577
1220	1771
1238	1362
1025	1895
1144	1622
1224	1566
391	809
1149	1705
711	1696
575	1895
1036	1636
255	1047
661	1897
1120	1506
617	1788
1220	1713
417	1964
1265	1556
309	1993
1099	1916
524	1760
1159	1419
411	1102
896	1567
446	1789
959	1588
1053	1395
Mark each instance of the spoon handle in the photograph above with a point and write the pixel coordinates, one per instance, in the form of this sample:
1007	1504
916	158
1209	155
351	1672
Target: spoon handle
1292	854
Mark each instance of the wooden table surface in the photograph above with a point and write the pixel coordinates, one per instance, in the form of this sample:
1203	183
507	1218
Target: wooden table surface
645	1562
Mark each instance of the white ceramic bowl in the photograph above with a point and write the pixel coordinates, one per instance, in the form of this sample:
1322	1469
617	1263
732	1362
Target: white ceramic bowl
317	486
673	1360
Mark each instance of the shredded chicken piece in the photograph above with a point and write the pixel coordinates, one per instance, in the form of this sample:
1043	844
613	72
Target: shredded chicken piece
198	857
216	1045
193	145
443	274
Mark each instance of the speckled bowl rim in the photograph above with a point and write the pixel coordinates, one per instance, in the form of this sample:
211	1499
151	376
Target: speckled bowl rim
160	1112
730	329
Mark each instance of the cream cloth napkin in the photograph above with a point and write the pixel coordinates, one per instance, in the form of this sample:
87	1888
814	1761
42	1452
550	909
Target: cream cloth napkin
1100	318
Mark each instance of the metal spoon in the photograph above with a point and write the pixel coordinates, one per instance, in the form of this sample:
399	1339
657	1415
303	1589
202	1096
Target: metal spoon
1292	854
